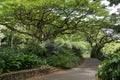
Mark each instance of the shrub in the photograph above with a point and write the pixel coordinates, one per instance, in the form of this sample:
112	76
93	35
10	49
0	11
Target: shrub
12	60
63	60
33	48
110	68
71	45
2	65
74	50
67	57
102	56
78	52
117	50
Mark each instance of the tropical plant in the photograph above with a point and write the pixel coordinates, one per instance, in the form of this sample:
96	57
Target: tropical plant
109	69
12	60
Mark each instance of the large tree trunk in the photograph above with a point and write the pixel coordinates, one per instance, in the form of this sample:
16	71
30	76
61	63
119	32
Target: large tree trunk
95	52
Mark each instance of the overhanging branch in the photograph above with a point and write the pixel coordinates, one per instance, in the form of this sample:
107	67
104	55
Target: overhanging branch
13	29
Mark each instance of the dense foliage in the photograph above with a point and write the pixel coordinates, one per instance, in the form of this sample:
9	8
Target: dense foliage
112	2
53	32
31	47
110	68
68	56
65	60
11	60
47	19
30	55
96	34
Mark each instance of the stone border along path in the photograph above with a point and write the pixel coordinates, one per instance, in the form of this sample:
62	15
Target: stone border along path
85	71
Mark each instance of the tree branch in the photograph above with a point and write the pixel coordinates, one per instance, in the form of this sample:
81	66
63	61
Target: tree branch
13	29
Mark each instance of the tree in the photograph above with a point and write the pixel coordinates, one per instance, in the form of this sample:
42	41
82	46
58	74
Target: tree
43	19
116	2
98	33
115	18
112	2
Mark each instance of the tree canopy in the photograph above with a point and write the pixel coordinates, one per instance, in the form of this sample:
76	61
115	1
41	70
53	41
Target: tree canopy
43	19
96	34
116	2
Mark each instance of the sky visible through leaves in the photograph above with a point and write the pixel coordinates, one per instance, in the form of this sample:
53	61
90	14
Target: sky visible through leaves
112	9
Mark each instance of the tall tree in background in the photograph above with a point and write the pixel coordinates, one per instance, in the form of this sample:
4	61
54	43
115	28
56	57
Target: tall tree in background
115	18
97	33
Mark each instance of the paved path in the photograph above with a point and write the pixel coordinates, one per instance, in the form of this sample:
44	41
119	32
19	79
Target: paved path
86	71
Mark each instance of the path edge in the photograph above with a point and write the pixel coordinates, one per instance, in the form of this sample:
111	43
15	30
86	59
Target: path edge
23	74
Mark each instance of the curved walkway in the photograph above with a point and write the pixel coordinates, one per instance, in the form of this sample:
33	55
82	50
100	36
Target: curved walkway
86	71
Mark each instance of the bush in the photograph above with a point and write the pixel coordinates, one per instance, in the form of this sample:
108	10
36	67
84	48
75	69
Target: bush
32	47
110	68
63	60
117	50
78	52
102	56
12	60
2	65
